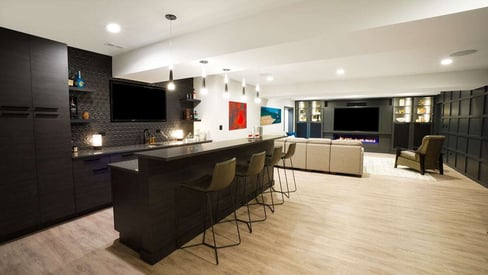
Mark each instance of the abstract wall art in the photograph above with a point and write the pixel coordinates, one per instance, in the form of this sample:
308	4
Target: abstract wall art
270	115
237	115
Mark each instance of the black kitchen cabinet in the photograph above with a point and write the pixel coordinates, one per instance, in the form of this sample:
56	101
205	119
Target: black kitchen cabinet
14	70
36	178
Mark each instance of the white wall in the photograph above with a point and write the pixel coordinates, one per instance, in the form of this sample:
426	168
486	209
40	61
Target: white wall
214	109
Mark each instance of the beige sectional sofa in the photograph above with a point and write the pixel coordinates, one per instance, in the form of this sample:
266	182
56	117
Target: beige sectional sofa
326	155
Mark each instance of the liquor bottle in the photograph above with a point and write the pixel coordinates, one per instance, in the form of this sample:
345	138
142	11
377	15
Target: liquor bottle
80	82
73	108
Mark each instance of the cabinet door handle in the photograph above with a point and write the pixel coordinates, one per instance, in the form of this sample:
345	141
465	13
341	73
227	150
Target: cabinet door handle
14	108
100	170
14	114
46	109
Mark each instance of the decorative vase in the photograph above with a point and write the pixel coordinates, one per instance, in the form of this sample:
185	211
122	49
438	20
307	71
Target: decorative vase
79	81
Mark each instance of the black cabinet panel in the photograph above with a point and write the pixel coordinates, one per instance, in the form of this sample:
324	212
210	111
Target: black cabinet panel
477	106
451	158
475	125
18	186
472	168
484	174
315	130
455	108
54	169
446	110
302	129
484	150
485	127
461	162
453	125
463	126
92	183
464	107
462	144
474	146
452	142
15	89
401	134
49	68
420	130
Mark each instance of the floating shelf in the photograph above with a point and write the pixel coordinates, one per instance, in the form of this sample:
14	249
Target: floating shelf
81	90
80	121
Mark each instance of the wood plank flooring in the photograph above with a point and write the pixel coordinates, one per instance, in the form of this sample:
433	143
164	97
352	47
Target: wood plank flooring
332	224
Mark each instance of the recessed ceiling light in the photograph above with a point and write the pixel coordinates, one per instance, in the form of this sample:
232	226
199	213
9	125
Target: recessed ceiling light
340	71
113	27
463	53
269	78
446	61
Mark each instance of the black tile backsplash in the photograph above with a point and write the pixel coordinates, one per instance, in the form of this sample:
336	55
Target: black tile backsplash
96	69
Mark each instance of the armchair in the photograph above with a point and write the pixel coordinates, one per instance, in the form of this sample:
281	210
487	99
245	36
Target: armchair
427	156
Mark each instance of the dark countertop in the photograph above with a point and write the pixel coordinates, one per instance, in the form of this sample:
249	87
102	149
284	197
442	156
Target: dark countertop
129	165
133	148
169	154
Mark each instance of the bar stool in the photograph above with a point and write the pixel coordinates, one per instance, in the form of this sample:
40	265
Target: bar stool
288	155
222	177
254	168
271	161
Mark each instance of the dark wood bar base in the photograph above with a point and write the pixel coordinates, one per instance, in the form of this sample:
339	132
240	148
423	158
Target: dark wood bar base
153	214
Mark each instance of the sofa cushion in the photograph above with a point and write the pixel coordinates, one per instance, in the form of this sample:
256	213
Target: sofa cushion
347	142
319	140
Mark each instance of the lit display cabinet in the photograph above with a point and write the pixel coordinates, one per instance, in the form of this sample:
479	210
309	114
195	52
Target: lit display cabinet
423	109
412	117
402	108
309	118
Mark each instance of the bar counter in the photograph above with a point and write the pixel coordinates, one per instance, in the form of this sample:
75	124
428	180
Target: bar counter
152	213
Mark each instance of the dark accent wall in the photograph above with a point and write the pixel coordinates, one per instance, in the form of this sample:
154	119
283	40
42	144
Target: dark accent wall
462	116
96	69
385	123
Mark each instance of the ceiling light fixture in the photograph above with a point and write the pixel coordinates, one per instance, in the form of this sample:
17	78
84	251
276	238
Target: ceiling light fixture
340	71
113	27
244	97
204	89
171	83
226	83
257	99
446	61
269	78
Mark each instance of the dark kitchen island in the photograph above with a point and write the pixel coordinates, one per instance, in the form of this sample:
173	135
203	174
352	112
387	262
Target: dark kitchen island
152	213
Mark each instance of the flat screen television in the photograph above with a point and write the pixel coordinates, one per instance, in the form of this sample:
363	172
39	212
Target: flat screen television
365	119
136	102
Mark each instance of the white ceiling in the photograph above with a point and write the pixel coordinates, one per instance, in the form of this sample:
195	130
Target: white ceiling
387	48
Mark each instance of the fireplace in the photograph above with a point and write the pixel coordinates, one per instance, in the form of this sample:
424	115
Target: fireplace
365	139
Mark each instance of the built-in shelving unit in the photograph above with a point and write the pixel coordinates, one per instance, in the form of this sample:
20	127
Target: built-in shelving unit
189	105
76	92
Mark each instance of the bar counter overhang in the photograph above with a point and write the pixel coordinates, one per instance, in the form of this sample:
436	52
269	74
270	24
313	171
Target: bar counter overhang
153	214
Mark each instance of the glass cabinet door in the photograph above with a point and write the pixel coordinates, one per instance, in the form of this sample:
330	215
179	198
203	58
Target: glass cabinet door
316	111
302	111
402	110
423	109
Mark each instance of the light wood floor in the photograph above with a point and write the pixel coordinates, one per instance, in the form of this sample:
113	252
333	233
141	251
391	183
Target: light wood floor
333	224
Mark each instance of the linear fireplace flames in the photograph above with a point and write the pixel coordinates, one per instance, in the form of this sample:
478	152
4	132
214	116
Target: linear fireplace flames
365	139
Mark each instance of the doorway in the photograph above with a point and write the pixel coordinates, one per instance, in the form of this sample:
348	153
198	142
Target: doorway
288	121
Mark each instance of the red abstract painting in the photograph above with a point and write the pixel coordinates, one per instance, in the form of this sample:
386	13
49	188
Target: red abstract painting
237	115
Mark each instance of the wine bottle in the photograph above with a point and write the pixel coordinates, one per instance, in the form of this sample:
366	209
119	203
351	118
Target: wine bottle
73	108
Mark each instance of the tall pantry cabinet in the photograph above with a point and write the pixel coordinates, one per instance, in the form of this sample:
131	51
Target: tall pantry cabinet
36	183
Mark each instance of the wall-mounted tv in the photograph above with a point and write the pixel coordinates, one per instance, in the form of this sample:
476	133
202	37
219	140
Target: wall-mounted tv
364	119
136	102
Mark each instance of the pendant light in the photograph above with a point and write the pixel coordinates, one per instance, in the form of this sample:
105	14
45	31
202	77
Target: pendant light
204	89
226	83
244	97
171	83
257	99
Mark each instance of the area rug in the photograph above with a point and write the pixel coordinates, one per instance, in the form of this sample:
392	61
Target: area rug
384	166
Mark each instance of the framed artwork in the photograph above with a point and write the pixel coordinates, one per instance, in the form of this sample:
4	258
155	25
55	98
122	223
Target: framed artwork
270	115
237	115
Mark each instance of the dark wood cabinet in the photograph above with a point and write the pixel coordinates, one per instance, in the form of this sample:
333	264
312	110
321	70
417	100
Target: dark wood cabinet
92	180
19	202
37	181
15	77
